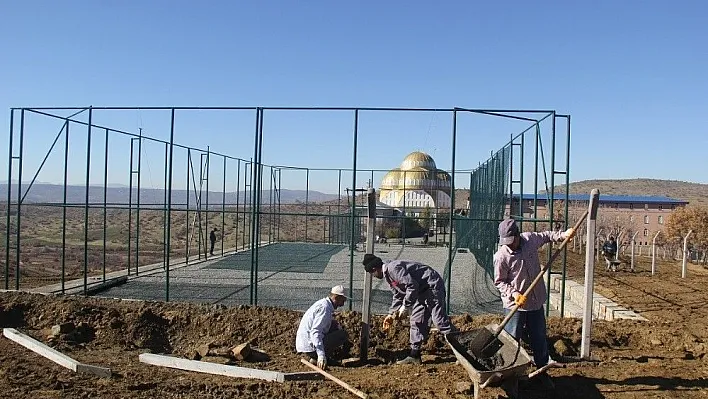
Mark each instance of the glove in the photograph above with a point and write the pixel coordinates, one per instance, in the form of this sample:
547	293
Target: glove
388	321
322	362
402	312
569	233
519	299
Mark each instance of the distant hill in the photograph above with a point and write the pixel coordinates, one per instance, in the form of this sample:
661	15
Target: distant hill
53	193
694	193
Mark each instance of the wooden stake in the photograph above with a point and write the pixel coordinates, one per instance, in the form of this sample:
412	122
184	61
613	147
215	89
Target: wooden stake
335	379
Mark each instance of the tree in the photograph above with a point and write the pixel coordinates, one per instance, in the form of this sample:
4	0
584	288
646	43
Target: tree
688	218
426	218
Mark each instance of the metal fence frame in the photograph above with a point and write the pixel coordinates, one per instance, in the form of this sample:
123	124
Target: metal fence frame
253	169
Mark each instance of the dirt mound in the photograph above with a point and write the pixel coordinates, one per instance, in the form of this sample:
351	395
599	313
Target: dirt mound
112	333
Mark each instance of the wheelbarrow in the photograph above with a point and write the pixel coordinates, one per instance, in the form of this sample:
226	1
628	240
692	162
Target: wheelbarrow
511	359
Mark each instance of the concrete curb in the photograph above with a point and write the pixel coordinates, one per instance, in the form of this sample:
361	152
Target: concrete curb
602	308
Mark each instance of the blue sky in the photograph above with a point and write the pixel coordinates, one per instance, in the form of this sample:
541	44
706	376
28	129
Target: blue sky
631	74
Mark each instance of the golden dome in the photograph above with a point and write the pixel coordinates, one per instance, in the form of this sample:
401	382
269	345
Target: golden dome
391	179
418	159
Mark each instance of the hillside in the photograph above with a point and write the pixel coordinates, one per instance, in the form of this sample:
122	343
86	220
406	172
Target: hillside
694	193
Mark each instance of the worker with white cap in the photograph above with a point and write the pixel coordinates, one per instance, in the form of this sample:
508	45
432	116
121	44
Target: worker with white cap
319	334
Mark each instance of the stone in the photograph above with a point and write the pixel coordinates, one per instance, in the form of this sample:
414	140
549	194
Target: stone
63	328
203	349
656	342
241	352
561	348
463	387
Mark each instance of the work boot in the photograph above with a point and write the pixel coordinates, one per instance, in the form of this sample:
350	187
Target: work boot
409	360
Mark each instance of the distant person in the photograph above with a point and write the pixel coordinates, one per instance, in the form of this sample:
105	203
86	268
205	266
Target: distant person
419	291
212	239
425	239
319	334
516	265
609	251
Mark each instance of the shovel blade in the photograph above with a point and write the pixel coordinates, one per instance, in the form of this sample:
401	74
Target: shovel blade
480	341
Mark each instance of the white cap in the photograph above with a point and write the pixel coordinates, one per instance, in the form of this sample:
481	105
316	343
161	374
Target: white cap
338	290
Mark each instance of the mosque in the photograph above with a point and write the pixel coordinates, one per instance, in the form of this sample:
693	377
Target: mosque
417	184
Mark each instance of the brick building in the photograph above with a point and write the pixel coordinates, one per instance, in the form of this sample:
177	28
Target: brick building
627	214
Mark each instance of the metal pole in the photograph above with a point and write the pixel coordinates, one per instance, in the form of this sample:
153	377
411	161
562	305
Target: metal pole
535	177
223	208
169	205
452	208
105	195
130	202
552	214
19	199
165	238
685	254
63	209
10	158
565	210
353	207
589	273
186	220
238	200
280	176
521	183
206	219
307	198
257	211
137	204
86	207
653	253
254	198
511	178
366	297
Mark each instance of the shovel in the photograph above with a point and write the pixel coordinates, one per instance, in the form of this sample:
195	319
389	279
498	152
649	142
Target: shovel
486	343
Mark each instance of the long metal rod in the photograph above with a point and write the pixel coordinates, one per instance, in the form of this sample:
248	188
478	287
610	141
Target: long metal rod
130	204
511	181
169	205
535	177
480	110
551	211
137	205
86	209
186	220
199	204
353	208
452	208
64	207
521	183
253	208
257	205
10	159
566	210
238	199
105	200
307	199
280	176
19	198
223	208
165	237
206	205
